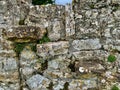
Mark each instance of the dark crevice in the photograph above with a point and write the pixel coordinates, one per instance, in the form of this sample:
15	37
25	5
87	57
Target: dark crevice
19	71
65	86
44	65
72	67
50	87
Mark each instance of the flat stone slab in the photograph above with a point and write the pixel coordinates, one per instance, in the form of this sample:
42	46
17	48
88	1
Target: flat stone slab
89	44
25	33
50	49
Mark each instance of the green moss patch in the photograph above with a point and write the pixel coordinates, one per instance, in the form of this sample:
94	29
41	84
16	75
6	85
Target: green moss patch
115	88
44	39
111	58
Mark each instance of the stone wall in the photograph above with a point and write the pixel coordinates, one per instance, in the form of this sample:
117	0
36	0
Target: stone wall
56	47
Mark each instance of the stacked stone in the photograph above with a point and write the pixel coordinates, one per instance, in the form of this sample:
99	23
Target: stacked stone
82	36
97	26
9	76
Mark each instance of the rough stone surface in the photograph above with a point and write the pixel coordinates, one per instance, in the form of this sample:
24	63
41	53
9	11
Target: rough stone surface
86	44
36	81
29	34
51	49
70	23
60	47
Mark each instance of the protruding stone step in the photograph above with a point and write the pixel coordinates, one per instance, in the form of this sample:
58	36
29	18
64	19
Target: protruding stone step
25	33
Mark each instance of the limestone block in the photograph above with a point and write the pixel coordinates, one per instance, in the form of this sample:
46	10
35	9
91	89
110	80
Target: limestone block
88	44
70	23
88	61
3	6
58	30
27	71
6	86
111	44
41	14
36	82
52	49
8	70
116	33
28	57
54	74
86	24
83	84
25	33
93	4
2	19
53	64
89	55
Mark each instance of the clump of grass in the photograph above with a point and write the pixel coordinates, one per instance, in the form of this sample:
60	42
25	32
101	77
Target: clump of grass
44	39
18	47
33	47
111	58
115	88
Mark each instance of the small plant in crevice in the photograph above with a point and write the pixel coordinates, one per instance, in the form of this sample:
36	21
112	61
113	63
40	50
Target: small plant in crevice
18	47
115	88
111	58
33	47
44	39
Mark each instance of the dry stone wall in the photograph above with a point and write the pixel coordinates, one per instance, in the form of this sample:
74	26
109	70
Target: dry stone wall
57	47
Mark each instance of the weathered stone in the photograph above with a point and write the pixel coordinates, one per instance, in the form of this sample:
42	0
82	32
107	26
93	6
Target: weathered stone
7	53
116	33
1	19
8	70
86	24
10	64
70	23
25	33
13	86
53	64
58	68
82	84
51	49
28	58
36	81
28	54
94	54
111	44
39	15
58	30
27	71
3	6
87	61
89	44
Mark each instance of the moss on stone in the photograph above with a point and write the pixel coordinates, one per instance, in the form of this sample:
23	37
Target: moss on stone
18	47
111	58
44	39
115	88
